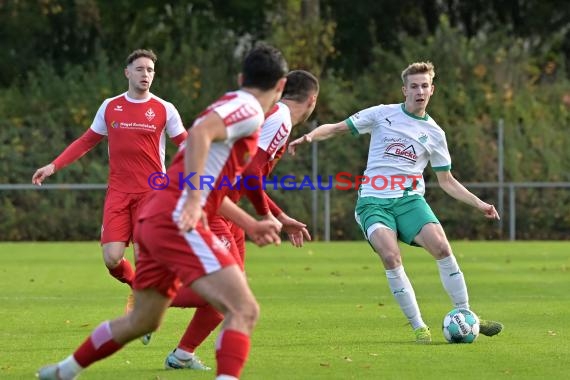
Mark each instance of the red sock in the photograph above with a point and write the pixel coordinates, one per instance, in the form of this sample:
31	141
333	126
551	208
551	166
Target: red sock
205	320
124	272
99	345
186	297
232	348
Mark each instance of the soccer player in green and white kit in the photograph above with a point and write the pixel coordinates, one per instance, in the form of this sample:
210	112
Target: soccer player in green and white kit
391	206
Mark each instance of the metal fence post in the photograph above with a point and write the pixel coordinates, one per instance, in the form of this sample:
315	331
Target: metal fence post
315	171
501	172
327	218
512	213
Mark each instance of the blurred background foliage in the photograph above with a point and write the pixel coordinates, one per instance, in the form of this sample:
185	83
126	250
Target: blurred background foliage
494	60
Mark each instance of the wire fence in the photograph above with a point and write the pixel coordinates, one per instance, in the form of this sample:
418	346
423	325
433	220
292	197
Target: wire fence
505	189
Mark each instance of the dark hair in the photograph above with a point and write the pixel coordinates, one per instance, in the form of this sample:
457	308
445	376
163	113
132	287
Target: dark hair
263	66
300	84
141	53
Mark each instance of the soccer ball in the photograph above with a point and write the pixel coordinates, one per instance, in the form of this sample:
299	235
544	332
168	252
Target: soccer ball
461	326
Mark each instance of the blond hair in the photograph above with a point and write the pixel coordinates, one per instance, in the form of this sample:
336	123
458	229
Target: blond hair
418	68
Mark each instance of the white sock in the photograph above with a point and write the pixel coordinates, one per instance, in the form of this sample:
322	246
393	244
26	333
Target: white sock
183	354
404	293
226	377
453	281
69	368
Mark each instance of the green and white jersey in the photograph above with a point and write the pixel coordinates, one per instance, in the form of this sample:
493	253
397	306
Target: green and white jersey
401	146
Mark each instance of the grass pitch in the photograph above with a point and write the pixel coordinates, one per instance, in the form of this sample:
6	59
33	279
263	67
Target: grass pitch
327	313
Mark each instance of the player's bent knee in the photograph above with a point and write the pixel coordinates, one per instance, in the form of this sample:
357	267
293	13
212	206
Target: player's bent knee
391	260
440	249
250	312
245	316
143	324
253	314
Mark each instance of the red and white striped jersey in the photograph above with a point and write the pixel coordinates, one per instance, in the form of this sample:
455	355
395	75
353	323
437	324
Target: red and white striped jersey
136	134
272	144
242	115
275	131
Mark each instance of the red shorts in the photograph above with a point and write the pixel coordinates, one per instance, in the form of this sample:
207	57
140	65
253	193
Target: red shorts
120	215
224	229
168	260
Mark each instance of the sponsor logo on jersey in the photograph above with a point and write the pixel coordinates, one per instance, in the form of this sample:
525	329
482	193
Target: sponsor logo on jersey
282	133
242	113
402	151
149	114
133	125
118	107
402	140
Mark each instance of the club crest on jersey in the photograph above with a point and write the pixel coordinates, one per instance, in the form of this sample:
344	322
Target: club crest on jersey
244	112
401	151
423	138
220	245
226	243
149	114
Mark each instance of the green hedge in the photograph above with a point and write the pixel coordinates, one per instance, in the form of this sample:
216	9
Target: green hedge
479	81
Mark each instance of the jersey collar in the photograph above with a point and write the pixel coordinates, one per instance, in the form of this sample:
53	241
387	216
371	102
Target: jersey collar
425	118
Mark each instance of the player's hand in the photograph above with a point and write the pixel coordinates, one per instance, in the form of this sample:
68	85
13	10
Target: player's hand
273	219
489	211
190	215
43	173
296	230
299	141
264	232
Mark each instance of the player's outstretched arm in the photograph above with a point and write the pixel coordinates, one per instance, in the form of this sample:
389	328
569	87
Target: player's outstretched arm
72	153
455	189
322	132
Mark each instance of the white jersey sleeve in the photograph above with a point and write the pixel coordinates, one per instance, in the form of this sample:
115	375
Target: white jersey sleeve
242	117
99	126
440	158
365	121
174	125
275	130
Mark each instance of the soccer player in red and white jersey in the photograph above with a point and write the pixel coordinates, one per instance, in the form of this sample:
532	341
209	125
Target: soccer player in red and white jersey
135	124
176	246
296	105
